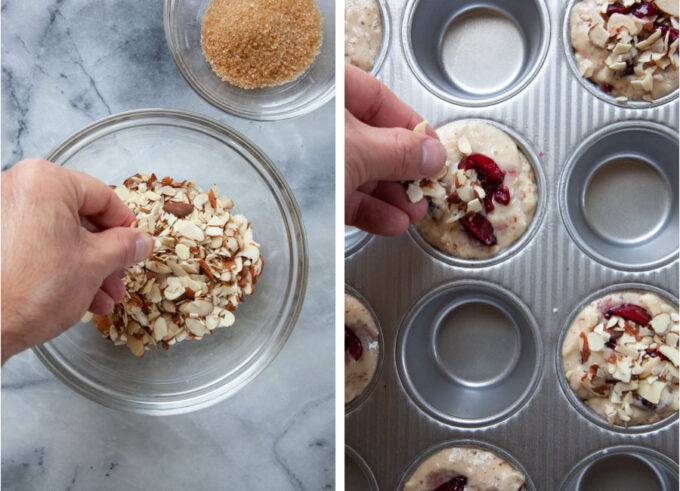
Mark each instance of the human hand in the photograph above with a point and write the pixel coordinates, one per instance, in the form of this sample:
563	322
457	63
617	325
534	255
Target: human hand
380	150
65	238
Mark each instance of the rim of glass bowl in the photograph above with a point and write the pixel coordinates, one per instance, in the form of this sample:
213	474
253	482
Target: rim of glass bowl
224	387
256	114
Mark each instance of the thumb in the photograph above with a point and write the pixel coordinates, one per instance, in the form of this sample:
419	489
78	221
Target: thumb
390	154
119	247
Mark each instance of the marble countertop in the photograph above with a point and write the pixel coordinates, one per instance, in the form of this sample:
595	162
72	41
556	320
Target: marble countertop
66	63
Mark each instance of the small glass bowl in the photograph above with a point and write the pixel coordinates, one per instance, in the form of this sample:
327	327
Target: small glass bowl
191	374
310	91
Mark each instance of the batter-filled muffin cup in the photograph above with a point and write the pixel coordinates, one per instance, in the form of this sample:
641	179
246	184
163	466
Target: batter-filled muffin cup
620	357
484	199
465	467
362	348
628	49
363	33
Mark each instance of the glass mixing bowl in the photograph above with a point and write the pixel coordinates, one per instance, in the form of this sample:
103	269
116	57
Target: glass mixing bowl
191	374
311	90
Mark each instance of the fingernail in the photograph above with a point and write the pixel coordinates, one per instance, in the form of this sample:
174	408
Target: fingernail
143	247
434	157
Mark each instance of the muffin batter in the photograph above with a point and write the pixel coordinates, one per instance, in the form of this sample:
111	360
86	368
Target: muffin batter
465	468
363	32
362	347
473	214
628	48
620	356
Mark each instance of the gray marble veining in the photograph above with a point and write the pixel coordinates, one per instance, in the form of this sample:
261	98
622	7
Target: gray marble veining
66	63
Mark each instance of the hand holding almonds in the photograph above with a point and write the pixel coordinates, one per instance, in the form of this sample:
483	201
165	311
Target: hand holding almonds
204	263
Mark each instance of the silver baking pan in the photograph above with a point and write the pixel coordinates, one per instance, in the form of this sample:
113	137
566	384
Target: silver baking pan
502	387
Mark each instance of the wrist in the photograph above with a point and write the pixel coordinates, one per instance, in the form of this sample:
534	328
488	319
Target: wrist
12	324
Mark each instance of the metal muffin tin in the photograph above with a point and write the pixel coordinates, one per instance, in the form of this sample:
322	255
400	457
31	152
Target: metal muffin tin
358	476
577	250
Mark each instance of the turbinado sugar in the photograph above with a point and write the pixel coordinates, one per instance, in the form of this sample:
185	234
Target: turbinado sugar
261	43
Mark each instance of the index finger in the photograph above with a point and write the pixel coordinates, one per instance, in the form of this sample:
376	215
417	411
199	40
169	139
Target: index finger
98	202
372	102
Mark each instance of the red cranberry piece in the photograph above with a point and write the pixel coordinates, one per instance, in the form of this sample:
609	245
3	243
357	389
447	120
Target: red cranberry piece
606	88
480	228
456	484
644	9
630	312
487	170
353	344
502	195
488	202
616	8
672	36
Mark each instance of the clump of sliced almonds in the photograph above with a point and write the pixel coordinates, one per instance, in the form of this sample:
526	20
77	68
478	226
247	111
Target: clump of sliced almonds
426	188
475	183
467	195
640	41
204	263
631	359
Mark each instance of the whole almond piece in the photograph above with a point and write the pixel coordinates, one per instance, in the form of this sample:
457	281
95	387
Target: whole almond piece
178	209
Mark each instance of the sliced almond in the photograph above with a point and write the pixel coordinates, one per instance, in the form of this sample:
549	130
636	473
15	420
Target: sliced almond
668	6
464	146
599	36
414	193
421	127
660	323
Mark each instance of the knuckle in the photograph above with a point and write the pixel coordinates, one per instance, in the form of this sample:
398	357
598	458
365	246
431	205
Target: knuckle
31	172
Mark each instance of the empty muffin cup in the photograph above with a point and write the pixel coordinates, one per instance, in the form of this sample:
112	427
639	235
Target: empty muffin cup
358	475
469	353
475	53
465	464
618	195
623	468
355	239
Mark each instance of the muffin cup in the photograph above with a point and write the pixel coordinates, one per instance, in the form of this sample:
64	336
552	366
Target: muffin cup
361	398
580	405
621	468
358	475
618	195
386	36
355	240
469	354
518	32
539	213
590	86
423	456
